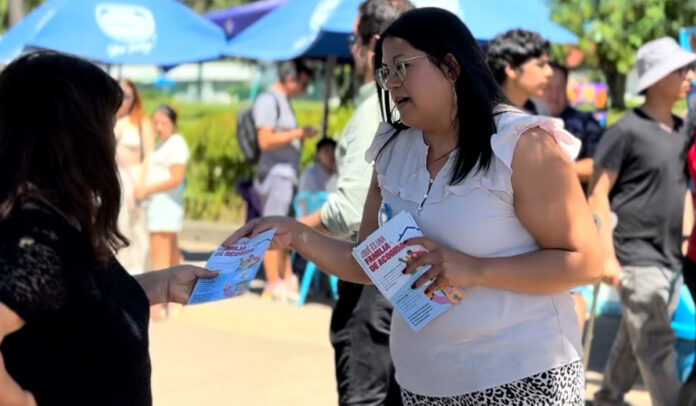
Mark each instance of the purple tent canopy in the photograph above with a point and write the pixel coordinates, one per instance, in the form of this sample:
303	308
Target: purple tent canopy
234	20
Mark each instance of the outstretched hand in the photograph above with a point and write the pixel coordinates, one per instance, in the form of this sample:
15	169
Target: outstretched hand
181	279
281	239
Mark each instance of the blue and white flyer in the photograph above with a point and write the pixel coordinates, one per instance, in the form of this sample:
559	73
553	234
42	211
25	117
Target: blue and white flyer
237	265
384	255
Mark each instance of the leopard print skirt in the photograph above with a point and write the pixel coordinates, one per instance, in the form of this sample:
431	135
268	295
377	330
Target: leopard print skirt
562	386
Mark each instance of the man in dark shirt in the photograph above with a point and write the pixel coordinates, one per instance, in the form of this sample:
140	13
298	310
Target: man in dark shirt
519	60
639	174
582	125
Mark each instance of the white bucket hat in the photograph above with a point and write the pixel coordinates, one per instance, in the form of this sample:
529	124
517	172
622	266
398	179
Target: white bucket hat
658	58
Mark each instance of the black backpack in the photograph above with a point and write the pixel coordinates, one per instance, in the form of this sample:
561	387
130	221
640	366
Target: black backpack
247	136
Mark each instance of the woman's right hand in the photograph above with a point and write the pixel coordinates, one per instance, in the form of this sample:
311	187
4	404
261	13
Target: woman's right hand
284	227
612	272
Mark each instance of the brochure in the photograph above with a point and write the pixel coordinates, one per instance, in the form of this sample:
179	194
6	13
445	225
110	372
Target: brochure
237	265
384	255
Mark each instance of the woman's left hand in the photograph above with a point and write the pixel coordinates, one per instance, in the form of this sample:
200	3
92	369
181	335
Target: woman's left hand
448	266
180	279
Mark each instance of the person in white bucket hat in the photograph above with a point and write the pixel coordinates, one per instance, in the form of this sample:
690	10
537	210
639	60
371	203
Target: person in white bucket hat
658	58
640	175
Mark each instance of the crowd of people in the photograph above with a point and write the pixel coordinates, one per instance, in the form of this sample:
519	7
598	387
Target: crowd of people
521	199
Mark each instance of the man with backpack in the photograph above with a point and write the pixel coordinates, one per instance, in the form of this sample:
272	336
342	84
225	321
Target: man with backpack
277	165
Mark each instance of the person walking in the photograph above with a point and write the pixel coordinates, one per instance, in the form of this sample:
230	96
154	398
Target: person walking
640	174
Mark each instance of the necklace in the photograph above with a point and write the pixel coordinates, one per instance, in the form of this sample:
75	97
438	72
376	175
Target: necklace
430	182
440	157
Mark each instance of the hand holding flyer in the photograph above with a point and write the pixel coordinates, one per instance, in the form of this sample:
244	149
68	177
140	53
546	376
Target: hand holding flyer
384	255
237	265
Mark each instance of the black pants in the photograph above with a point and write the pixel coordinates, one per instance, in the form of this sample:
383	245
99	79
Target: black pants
687	395
360	326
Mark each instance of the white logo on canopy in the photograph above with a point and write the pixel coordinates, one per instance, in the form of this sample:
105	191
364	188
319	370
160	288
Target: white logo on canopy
321	13
131	27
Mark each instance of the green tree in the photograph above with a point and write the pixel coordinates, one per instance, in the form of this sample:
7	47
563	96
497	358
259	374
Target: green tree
203	6
610	31
12	11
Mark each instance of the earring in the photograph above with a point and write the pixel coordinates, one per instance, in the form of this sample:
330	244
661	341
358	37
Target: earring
454	92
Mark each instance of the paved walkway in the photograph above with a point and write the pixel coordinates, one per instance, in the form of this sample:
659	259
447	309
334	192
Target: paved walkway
247	351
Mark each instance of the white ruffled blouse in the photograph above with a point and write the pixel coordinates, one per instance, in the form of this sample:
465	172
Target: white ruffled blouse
494	336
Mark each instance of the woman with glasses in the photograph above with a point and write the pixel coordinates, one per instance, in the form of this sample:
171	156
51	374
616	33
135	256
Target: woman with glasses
494	192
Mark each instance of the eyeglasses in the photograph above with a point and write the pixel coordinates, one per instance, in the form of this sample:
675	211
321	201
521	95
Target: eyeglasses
684	70
398	71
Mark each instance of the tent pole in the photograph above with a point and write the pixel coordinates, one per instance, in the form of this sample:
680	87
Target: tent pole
328	78
256	81
200	81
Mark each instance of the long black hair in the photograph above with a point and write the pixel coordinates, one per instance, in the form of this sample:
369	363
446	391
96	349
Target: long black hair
437	33
57	144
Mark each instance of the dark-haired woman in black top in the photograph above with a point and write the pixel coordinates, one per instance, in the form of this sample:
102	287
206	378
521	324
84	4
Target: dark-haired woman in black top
73	323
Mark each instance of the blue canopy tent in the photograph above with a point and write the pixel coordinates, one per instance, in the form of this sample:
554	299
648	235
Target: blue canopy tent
484	19
235	19
320	28
157	32
292	30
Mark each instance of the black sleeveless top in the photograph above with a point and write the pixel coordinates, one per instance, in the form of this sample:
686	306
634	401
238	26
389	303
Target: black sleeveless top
85	341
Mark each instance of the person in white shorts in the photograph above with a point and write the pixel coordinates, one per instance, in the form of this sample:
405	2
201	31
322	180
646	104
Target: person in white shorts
165	213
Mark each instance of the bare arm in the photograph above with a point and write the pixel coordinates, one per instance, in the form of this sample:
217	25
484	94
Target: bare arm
268	140
314	221
173	284
177	176
688	220
147	137
583	168
11	394
330	254
601	184
550	205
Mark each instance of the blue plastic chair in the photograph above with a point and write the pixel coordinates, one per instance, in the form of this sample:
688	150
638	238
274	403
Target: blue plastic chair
305	203
684	326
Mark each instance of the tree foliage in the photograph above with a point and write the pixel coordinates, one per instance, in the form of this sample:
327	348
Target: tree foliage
203	6
610	31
